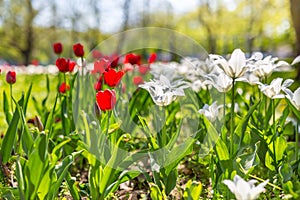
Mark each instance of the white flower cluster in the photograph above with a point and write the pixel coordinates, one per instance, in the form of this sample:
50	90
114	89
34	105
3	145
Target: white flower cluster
220	73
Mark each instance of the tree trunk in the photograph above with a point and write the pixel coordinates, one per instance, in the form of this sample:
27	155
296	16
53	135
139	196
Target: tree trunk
29	34
295	14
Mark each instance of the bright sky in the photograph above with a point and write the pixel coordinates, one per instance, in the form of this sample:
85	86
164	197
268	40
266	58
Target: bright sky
111	11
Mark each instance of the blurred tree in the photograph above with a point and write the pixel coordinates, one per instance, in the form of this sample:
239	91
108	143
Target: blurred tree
125	24
18	28
208	11
295	14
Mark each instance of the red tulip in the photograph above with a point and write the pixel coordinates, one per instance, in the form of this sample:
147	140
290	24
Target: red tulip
100	66
65	65
113	78
132	59
11	77
63	88
152	58
106	99
57	48
137	80
143	69
78	50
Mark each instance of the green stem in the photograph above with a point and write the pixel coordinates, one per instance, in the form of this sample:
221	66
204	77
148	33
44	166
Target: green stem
232	117
297	142
266	114
224	138
11	98
274	132
112	136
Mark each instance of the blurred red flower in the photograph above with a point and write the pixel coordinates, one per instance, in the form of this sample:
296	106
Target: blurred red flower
137	80
100	66
132	58
78	50
65	65
152	58
11	77
35	62
106	99
96	54
63	88
57	48
114	60
112	77
98	84
143	69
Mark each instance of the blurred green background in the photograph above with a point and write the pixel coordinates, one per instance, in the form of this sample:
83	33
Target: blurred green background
28	28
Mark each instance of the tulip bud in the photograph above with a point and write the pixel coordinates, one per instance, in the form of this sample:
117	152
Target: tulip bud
78	50
11	77
57	48
38	123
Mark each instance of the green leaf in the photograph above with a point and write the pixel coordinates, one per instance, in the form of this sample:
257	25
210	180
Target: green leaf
250	160
286	172
242	126
20	179
27	139
210	139
9	138
124	176
155	192
192	190
26	99
170	181
294	110
72	187
6	107
222	150
48	91
62	170
49	122
173	157
38	161
280	146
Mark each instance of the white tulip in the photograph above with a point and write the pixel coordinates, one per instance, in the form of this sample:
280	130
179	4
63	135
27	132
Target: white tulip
210	112
273	90
244	190
294	97
163	92
221	82
235	67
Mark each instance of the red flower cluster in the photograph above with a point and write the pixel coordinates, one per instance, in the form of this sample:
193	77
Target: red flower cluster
65	65
57	48
63	88
78	50
11	77
106	99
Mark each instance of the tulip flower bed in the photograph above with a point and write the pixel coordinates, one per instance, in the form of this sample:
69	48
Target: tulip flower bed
128	127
